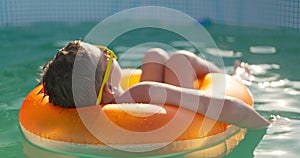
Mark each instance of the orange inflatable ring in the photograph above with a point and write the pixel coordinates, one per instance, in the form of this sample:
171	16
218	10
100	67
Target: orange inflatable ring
62	129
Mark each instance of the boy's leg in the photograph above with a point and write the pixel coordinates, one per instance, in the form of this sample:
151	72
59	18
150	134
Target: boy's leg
153	65
184	67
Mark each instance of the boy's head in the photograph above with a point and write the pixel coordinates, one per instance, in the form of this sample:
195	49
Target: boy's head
68	84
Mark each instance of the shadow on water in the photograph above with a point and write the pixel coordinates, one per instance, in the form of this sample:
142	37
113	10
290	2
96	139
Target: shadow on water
245	148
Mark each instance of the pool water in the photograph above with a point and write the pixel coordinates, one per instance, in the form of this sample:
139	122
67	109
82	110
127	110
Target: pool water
275	83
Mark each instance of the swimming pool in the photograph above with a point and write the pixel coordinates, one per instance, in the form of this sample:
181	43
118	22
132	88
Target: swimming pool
275	85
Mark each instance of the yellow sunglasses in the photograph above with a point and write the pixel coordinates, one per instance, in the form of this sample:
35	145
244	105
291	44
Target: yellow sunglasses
109	53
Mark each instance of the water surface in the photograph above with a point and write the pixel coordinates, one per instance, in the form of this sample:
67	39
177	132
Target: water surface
275	83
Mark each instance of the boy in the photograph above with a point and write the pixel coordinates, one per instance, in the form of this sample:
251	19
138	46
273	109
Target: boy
81	70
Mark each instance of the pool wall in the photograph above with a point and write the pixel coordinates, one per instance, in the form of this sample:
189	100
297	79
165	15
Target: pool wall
261	13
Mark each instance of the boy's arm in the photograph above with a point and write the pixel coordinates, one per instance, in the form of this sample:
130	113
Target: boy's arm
225	109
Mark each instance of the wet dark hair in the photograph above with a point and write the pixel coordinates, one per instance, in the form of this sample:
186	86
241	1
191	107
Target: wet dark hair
57	76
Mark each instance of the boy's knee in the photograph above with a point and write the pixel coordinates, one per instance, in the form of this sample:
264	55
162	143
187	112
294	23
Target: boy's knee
156	55
180	56
184	56
176	60
184	53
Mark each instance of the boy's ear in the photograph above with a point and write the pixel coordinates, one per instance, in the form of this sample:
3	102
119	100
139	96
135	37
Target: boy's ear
107	89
